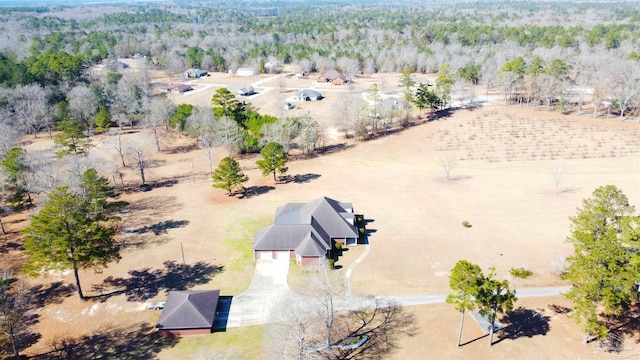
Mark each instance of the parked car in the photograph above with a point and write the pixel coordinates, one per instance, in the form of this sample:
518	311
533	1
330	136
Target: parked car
156	305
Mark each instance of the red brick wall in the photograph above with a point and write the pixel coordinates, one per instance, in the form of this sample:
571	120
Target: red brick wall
306	261
179	332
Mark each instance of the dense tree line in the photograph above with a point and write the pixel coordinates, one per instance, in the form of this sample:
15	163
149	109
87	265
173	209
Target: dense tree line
476	41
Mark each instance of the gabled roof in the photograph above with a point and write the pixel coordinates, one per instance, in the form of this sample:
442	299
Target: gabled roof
334	74
307	228
329	214
281	237
189	310
308	93
311	245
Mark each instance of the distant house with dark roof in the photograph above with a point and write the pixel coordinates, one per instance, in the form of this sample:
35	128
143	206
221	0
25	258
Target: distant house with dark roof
334	77
181	88
189	312
392	103
119	64
307	232
195	73
309	95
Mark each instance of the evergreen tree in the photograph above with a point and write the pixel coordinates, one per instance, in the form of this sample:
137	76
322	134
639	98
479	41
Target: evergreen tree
15	168
103	119
228	175
493	297
73	139
465	281
273	160
605	266
67	233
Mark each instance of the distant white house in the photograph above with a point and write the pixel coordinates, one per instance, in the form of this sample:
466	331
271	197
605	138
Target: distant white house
245	72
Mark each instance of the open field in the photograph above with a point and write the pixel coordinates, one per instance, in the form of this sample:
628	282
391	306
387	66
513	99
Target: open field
502	182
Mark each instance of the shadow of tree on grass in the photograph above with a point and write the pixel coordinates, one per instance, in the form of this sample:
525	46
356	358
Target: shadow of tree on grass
142	342
146	283
255	191
53	293
523	322
161	227
298	178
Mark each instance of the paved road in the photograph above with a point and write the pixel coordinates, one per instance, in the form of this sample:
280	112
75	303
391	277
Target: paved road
269	289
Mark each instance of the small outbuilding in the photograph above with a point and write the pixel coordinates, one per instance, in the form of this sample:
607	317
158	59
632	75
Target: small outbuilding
189	312
245	72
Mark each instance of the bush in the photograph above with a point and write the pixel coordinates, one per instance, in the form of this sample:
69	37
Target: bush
521	273
338	246
466	224
331	263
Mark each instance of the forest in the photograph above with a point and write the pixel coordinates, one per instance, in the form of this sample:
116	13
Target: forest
546	54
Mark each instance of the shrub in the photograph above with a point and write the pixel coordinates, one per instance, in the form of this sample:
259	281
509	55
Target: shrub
331	263
521	273
338	246
466	224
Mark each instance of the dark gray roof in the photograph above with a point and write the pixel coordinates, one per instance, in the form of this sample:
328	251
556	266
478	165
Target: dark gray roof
392	103
189	310
307	228
312	94
312	246
281	237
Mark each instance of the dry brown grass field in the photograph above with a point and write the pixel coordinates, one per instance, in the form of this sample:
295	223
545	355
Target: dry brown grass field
502	181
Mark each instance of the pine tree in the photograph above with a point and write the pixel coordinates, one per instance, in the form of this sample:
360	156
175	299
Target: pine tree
465	281
228	175
273	160
493	297
67	234
605	266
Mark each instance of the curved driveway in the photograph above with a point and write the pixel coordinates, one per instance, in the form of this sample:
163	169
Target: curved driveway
268	289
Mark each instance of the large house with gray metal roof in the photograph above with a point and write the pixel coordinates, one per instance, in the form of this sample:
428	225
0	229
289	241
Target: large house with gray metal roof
307	232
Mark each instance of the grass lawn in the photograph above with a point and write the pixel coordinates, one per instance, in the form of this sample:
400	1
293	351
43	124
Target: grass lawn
234	343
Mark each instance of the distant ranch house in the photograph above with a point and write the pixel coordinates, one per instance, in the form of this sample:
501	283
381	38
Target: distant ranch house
179	88
242	90
307	232
189	312
195	73
333	77
308	95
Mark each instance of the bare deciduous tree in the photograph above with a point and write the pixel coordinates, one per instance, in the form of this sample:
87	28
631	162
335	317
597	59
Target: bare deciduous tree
202	124
157	112
14	317
283	131
83	104
558	175
448	165
227	133
324	325
29	106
